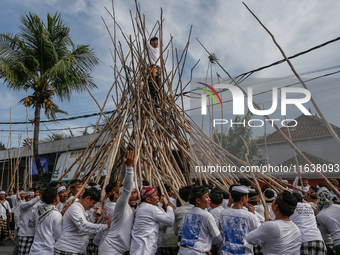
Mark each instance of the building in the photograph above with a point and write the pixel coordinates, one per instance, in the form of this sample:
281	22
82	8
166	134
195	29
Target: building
311	137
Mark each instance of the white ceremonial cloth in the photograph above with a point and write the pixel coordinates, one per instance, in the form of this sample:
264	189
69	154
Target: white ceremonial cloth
117	239
329	220
277	237
199	229
154	54
46	233
145	228
236	224
27	220
108	211
3	210
180	212
304	218
76	230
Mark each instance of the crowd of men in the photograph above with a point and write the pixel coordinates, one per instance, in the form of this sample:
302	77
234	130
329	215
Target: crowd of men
203	219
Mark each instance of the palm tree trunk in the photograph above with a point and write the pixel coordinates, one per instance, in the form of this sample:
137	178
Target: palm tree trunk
36	141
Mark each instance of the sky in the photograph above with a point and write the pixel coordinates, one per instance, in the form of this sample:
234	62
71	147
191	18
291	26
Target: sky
224	27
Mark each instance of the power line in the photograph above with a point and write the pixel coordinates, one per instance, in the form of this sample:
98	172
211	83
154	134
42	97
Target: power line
277	62
266	91
46	130
62	119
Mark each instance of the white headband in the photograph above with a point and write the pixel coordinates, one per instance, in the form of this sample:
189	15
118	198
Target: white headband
95	187
2	192
241	189
29	193
285	181
61	188
22	192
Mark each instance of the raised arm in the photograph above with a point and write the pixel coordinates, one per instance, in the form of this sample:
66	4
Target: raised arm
128	181
295	182
82	224
28	205
166	218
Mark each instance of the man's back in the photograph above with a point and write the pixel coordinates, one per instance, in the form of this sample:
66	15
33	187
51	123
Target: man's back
277	237
236	224
180	212
75	230
304	218
145	228
47	231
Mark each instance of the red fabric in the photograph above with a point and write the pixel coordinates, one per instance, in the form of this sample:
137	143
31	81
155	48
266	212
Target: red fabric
147	191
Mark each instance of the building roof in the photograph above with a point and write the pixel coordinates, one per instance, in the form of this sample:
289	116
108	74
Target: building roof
312	158
308	127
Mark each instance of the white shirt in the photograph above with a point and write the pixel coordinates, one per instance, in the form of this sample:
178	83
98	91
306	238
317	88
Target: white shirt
27	216
329	220
259	216
15	202
46	233
60	206
3	210
118	238
277	237
154	54
236	224
259	209
216	213
70	199
180	212
76	230
304	218
199	228
108	210
145	228
225	203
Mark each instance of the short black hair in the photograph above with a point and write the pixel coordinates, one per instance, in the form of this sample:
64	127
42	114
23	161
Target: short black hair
153	39
289	199
196	190
74	182
109	188
184	193
252	194
53	184
216	196
298	197
236	196
269	194
245	182
225	195
167	187
93	193
145	183
315	190
49	195
264	188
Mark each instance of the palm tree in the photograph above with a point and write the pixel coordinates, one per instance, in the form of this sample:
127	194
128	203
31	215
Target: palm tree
43	60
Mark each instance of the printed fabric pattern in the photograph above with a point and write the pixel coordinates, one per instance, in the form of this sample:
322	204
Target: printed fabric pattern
191	229
234	230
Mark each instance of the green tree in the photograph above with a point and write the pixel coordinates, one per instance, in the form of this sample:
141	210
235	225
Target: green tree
57	137
43	60
233	142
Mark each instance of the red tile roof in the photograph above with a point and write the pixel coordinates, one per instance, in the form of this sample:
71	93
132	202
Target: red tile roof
312	158
307	127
